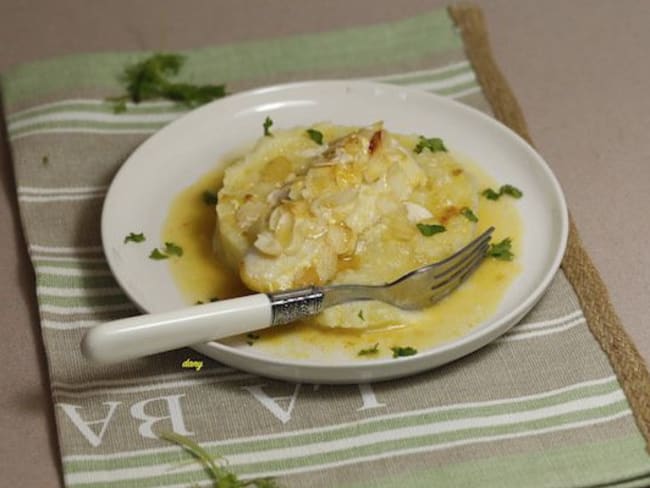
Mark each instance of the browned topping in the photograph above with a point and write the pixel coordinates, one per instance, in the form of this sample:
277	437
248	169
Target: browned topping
308	277
448	213
374	142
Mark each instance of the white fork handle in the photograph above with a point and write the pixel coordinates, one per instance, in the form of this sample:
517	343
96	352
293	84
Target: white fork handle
149	334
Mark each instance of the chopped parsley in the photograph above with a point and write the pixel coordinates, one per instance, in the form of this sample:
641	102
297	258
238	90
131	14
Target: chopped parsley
315	136
428	230
133	237
360	315
509	190
433	144
251	338
157	255
468	214
501	250
150	79
171	249
514	192
371	350
221	477
399	351
490	194
45	160
210	197
268	122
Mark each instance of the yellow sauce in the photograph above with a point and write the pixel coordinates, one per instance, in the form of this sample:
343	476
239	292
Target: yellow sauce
201	277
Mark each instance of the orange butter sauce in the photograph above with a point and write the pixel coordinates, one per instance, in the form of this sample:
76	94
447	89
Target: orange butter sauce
201	277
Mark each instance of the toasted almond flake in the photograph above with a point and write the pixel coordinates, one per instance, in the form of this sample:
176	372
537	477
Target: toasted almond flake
416	213
267	244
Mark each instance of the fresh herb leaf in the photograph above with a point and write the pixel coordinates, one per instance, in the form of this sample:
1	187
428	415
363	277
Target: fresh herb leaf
501	250
149	79
251	338
403	351
268	122
369	351
469	215
221	477
210	198
45	160
315	136
133	237
193	95
433	144
428	230
490	194
512	191
158	255
172	249
360	315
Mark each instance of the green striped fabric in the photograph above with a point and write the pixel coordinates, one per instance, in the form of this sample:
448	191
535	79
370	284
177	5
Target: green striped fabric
539	407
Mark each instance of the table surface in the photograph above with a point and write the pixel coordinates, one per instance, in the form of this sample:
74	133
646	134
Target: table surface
577	69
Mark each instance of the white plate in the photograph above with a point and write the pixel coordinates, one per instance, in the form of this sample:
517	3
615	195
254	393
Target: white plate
179	154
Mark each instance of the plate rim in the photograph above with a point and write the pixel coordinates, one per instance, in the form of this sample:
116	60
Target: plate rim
475	339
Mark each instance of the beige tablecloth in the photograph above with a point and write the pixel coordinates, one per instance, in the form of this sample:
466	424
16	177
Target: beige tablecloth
581	132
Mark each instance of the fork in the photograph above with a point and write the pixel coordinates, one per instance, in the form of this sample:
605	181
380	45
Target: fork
135	337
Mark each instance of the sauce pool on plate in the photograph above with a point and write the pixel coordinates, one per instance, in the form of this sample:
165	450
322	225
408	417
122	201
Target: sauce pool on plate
202	277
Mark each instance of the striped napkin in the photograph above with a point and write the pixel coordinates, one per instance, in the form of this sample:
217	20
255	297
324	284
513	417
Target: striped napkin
540	407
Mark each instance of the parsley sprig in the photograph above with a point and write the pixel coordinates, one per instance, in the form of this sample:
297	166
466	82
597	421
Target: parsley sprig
150	79
509	190
210	197
369	351
399	351
428	230
316	136
501	250
221	477
268	122
469	214
433	144
170	250
133	237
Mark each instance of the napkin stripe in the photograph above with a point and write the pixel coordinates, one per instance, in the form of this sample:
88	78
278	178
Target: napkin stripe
390	438
410	39
221	378
156	107
98	115
529	469
290	462
502	406
82	385
520	336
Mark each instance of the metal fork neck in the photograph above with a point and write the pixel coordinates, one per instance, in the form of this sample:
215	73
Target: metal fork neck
292	305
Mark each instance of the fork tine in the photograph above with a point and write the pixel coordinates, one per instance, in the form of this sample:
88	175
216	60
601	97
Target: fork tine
446	286
461	255
450	263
